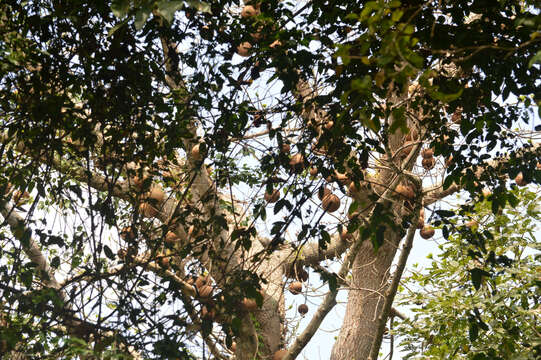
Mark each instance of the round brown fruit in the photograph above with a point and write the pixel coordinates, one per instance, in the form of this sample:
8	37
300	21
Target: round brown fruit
330	203
472	224
519	179
279	355
156	193
148	210
285	148
201	281
248	11
323	192
297	162
272	197
295	287
127	234
164	261
248	305
208	314
313	171
328	125
345	235
427	232
196	152
244	49
427	153
302	309
302	275
429	163
275	44
406	148
205	291
421	222
341	178
449	161
354	190
405	191
457	116
171	238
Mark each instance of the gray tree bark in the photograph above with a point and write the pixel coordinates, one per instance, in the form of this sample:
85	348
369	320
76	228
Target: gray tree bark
371	273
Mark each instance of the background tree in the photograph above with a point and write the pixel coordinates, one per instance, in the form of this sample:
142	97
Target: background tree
497	315
162	162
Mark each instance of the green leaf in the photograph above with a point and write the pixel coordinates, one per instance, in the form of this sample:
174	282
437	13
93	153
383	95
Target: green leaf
443	97
448	182
477	277
399	120
206	326
201	6
473	331
445	213
55	262
120	8
445	232
27	235
26	278
167	9
325	239
480	356
141	17
108	252
353	206
236	324
535	59
397	15
379	237
116	27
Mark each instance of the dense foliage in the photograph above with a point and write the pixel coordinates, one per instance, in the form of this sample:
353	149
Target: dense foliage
161	161
478	310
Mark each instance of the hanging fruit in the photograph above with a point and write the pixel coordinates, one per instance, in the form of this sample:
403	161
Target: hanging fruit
330	203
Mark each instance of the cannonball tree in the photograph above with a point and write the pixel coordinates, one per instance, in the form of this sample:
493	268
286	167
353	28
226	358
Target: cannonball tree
148	199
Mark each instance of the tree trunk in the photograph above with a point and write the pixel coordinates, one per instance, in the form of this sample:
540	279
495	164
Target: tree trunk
269	317
371	272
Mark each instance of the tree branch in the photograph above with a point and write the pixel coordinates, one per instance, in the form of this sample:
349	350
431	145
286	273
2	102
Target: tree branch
436	193
30	247
24	235
328	303
312	253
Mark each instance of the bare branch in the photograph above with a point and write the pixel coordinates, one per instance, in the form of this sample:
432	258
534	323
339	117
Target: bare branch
23	234
328	303
312	253
436	193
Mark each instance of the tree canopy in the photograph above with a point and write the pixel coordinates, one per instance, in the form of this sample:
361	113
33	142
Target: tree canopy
469	309
170	170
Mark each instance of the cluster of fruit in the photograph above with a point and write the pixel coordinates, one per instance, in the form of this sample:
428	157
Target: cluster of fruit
250	12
